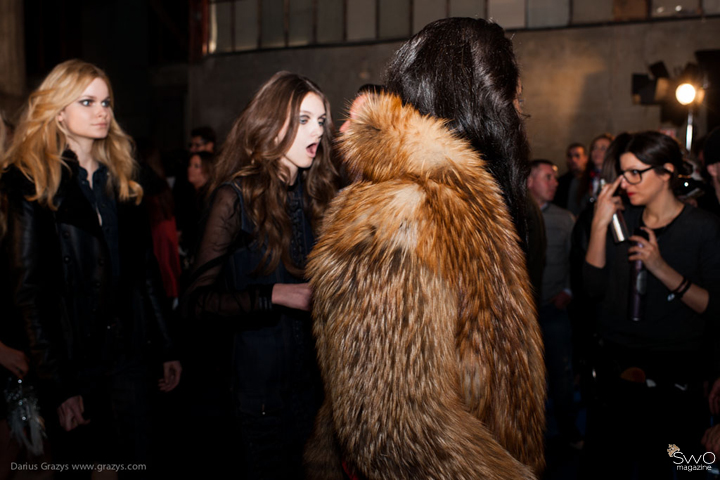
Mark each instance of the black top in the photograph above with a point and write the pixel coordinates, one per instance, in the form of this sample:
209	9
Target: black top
691	246
272	354
103	202
62	288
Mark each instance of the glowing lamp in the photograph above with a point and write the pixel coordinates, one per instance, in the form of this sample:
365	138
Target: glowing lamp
685	94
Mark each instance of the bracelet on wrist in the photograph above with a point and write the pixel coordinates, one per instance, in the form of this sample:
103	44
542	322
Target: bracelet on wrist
680	290
684	290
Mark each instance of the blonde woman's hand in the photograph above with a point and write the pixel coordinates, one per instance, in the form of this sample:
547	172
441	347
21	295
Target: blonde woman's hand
171	376
70	413
293	295
13	360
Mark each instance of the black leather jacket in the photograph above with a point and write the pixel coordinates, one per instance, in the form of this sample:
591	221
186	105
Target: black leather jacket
62	288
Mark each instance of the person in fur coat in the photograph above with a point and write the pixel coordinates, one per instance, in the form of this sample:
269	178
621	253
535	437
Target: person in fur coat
425	323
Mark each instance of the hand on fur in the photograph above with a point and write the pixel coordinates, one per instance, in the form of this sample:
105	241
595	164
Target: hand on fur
293	295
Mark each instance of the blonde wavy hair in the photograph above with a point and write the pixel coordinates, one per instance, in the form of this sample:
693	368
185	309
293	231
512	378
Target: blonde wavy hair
40	138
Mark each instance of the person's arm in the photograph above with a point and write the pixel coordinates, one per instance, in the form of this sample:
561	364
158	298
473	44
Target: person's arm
648	251
205	299
157	305
171	376
594	271
70	413
14	360
606	206
37	294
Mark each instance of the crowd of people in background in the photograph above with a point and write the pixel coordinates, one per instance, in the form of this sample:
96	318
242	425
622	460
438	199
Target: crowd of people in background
157	310
635	358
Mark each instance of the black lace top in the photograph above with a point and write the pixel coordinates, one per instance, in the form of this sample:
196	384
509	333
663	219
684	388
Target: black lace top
273	354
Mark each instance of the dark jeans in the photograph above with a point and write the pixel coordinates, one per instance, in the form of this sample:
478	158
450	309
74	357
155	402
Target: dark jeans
117	403
557	335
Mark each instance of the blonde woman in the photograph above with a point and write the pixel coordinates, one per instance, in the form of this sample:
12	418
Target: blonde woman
84	283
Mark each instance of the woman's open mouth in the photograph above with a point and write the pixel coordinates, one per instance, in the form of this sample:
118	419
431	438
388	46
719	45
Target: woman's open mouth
312	149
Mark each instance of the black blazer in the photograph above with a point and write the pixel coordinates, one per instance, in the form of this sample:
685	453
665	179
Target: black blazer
61	286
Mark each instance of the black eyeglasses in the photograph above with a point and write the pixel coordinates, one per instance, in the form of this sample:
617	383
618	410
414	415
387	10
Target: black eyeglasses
634	176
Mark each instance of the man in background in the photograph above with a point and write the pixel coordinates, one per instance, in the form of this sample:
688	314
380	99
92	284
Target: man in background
555	297
568	185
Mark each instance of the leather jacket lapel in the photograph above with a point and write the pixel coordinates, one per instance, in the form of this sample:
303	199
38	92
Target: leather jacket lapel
73	208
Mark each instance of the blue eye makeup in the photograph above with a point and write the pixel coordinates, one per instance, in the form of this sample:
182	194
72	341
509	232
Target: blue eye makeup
87	102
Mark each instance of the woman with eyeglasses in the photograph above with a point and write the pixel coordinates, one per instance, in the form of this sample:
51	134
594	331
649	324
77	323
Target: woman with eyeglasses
651	370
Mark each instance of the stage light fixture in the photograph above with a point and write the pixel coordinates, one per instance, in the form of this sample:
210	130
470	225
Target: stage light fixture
685	93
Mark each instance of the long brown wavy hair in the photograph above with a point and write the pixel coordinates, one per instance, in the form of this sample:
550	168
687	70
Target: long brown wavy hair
251	156
40	138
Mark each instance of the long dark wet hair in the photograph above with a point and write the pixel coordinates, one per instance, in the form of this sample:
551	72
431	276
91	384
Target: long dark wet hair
464	70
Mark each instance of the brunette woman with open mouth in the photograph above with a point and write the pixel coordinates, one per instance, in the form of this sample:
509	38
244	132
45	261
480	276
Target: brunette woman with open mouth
271	185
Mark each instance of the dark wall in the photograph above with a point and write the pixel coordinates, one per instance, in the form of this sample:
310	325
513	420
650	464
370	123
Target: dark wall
141	44
576	81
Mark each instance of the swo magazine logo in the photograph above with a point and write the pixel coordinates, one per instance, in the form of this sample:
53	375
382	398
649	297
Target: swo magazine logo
699	462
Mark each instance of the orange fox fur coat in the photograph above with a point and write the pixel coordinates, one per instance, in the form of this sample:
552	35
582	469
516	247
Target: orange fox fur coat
426	330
